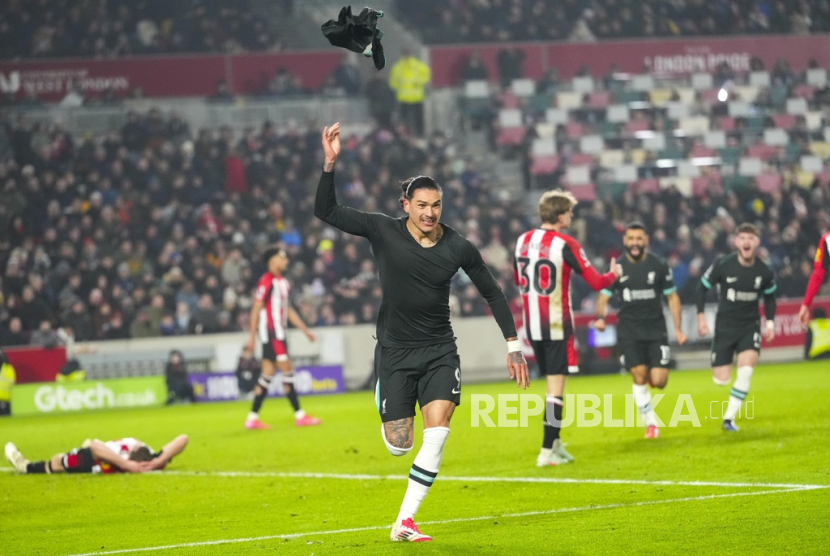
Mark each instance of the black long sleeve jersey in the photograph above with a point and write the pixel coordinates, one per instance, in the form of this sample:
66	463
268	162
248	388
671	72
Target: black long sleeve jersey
415	280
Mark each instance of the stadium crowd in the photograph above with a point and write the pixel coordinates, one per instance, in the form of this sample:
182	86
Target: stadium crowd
120	28
156	229
464	21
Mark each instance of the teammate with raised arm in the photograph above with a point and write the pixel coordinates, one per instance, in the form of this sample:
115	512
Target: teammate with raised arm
641	330
742	279
416	359
544	261
820	266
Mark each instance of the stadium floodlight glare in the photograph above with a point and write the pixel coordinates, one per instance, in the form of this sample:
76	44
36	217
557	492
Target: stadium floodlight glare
723	94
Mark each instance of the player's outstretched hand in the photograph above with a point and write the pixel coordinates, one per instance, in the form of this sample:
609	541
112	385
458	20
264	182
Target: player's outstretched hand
804	316
310	335
615	268
681	337
517	366
331	142
599	324
702	327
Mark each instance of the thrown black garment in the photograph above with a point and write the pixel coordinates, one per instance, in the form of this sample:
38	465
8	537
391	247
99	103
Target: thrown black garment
357	33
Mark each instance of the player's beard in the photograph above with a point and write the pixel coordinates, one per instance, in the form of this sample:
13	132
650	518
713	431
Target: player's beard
638	257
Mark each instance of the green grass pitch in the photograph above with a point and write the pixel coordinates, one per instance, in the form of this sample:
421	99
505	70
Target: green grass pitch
610	503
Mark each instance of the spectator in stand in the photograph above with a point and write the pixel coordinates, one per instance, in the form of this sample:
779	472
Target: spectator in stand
347	76
474	68
45	336
12	334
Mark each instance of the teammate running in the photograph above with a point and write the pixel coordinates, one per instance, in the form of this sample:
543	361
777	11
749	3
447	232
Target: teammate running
270	314
741	279
641	329
416	359
822	263
544	260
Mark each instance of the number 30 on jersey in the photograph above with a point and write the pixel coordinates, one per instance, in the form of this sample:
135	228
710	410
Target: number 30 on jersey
543	280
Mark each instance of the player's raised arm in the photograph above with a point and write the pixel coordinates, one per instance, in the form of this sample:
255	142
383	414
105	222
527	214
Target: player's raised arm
349	220
170	450
820	266
575	256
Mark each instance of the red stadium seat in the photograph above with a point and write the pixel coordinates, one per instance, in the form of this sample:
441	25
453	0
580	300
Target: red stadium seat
702	151
509	100
762	151
581	159
583	192
633	126
574	130
805	91
769	182
651	185
510	136
599	99
784	121
543	165
726	123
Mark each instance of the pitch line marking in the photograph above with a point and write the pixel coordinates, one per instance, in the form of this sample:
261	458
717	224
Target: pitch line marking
445	521
365	477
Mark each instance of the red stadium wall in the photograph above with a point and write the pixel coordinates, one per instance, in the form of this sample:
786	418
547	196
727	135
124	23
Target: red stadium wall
675	56
176	76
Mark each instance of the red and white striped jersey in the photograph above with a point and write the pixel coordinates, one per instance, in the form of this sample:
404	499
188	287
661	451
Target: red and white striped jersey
123	447
820	267
544	260
273	292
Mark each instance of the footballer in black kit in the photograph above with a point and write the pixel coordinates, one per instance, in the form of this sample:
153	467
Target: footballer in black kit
641	327
416	359
742	280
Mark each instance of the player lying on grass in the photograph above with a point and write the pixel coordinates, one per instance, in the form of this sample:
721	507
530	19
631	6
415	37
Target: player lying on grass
742	280
127	455
643	341
416	359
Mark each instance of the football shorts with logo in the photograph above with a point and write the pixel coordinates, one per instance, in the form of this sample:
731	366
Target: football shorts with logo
731	338
424	374
654	354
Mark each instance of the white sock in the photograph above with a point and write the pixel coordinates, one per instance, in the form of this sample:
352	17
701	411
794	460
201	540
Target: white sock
642	398
737	395
299	414
424	470
252	416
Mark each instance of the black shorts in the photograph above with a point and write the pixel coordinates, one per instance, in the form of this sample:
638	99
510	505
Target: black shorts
423	374
730	340
556	357
654	354
78	460
275	350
